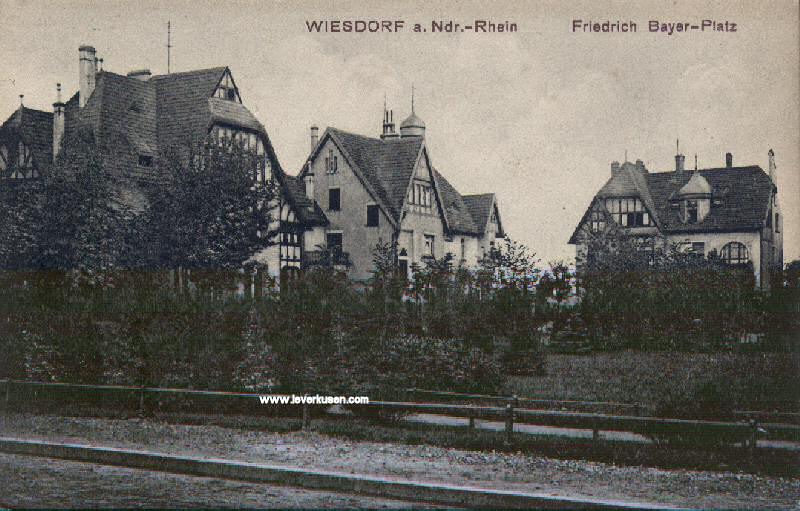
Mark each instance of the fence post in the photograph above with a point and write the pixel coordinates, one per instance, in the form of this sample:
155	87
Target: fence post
509	424
306	419
753	434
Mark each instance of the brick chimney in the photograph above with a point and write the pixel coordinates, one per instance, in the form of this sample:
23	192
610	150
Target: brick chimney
614	167
87	69
728	160
58	122
314	136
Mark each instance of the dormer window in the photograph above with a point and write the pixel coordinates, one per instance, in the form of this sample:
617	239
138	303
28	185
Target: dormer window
629	212
227	89
691	211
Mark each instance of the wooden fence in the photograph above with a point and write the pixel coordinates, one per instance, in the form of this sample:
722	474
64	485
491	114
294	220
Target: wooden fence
22	394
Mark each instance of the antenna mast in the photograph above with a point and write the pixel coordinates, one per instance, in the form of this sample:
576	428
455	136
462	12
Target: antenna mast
169	45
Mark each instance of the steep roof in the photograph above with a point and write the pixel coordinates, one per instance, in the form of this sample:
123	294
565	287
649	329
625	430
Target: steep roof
630	181
480	207
307	210
740	198
459	217
35	127
183	106
386	164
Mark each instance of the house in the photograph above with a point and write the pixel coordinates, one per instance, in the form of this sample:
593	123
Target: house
354	192
386	189
731	211
138	118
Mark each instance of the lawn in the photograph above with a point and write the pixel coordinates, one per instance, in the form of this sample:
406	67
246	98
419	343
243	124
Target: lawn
746	380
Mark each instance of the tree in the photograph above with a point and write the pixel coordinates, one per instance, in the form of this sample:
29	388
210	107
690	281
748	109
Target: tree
644	292
210	214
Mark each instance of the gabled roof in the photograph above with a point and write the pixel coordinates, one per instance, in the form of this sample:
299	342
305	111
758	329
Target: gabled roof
630	181
183	106
740	198
35	128
386	165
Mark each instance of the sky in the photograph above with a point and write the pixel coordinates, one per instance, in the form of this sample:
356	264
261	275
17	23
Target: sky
535	116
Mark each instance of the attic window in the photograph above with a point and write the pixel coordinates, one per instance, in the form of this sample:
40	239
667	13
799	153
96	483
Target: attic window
145	160
227	89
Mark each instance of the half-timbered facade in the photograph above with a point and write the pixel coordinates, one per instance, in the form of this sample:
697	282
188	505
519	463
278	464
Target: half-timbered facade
731	211
138	118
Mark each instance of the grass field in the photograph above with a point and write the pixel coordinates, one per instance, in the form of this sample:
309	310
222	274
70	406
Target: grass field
745	380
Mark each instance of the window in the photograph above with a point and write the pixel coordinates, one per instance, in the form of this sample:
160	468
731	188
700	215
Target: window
290	245
334	242
734	253
145	160
598	221
691	211
421	195
331	163
428	249
373	215
628	212
227	89
777	222
19	164
334	199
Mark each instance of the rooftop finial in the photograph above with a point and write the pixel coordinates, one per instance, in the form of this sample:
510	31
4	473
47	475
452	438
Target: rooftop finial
677	146
412	98
695	161
169	43
21	99
58	93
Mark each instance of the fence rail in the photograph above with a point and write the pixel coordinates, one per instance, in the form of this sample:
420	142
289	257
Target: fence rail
141	399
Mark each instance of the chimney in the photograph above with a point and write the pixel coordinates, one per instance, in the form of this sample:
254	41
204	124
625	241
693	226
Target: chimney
388	124
728	160
314	136
140	74
640	165
773	170
679	162
87	69
614	167
309	181
58	122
